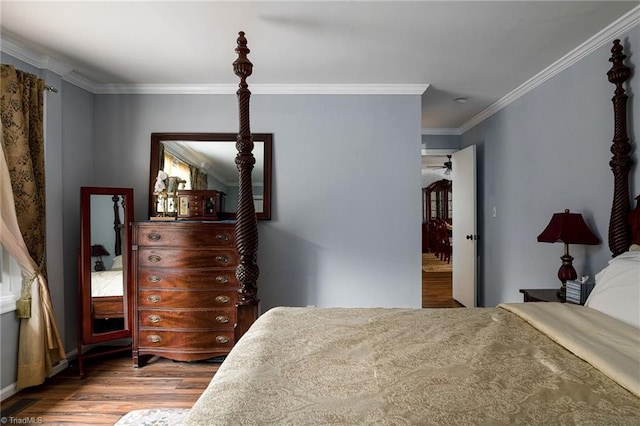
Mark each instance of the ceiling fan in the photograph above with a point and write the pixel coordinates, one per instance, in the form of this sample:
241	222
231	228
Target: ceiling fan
446	165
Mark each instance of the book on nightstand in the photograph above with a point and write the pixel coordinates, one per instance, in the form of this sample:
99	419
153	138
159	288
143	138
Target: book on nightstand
577	292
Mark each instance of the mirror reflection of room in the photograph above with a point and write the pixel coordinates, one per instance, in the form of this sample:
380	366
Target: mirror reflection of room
209	168
107	277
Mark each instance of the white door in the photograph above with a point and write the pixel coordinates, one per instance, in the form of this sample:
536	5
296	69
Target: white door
463	175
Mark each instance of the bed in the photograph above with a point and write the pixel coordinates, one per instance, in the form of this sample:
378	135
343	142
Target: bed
530	363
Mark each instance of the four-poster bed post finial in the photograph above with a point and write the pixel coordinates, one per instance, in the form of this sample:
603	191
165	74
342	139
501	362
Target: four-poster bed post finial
246	228
619	235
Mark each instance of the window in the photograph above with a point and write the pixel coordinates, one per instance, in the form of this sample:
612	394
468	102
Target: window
173	166
10	282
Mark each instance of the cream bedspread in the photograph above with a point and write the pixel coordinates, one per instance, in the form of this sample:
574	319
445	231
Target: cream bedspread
611	346
107	283
310	366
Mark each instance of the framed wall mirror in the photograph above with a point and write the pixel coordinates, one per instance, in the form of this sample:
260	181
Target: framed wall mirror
104	285
209	160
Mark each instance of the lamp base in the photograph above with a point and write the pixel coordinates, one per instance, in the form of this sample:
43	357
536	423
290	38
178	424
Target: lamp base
566	273
99	266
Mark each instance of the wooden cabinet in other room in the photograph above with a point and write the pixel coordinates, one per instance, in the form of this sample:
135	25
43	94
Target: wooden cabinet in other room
437	201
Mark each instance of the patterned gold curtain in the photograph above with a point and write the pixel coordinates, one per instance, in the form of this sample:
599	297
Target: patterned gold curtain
199	180
22	112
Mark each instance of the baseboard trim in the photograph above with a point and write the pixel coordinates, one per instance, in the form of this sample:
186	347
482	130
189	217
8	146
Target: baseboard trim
10	390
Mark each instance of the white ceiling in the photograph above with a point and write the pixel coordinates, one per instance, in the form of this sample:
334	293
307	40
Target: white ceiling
483	51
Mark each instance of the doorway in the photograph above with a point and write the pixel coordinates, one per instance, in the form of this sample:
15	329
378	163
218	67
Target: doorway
437	259
461	167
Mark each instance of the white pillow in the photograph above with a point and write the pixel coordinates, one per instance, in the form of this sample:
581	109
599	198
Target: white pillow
617	289
117	263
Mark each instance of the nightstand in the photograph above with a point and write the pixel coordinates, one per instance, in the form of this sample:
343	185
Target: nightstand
541	295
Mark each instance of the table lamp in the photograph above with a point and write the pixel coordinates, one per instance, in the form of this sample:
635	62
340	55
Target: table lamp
567	228
98	250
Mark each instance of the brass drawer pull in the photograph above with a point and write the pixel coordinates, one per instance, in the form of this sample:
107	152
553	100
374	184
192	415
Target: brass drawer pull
222	299
154	318
222	319
222	279
154	298
222	237
222	259
222	339
154	338
154	237
154	258
153	278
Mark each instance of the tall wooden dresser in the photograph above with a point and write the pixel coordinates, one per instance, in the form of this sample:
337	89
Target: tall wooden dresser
185	289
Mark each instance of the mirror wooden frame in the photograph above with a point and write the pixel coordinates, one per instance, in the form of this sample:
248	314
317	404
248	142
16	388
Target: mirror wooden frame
86	334
266	138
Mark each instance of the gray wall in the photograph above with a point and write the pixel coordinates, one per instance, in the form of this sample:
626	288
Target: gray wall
345	206
546	152
78	168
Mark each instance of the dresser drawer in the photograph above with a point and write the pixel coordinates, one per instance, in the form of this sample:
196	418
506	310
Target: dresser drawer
196	205
215	319
210	279
192	341
170	299
186	258
185	235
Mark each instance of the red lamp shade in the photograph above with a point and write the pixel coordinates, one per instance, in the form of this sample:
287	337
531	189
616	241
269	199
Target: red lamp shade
568	228
98	250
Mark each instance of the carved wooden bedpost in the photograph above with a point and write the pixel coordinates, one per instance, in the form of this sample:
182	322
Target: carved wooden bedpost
246	225
619	235
117	224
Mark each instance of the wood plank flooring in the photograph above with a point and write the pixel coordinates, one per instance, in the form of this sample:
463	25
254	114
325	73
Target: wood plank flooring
436	283
112	388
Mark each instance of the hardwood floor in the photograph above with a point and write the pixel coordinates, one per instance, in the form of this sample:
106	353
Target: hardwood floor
112	388
436	283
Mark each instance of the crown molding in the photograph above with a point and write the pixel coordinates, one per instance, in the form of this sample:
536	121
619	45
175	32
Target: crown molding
441	131
623	24
165	89
340	89
18	51
263	89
